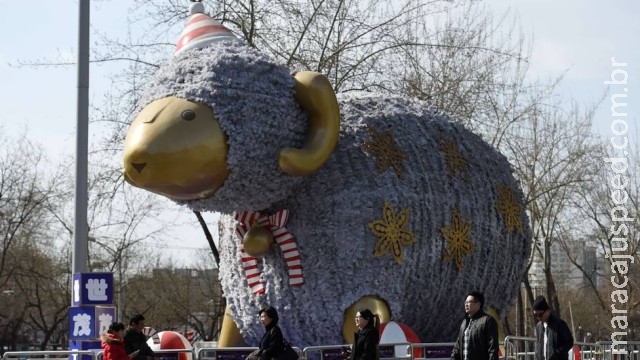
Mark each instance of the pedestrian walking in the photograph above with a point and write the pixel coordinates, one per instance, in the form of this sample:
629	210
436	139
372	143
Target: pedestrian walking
478	336
553	337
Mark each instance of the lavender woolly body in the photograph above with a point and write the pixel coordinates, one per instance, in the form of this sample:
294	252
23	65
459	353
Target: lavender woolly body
330	213
252	98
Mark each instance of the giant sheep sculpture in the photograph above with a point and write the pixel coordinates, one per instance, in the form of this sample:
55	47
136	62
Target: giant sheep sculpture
370	200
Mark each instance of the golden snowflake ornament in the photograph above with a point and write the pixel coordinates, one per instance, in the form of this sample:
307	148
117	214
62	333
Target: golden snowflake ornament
458	238
383	147
391	232
457	162
510	209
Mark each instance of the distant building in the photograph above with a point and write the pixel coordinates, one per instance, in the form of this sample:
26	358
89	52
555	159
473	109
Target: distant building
564	271
590	267
536	272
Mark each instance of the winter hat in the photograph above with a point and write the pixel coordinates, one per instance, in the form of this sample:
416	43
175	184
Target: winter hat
201	30
540	303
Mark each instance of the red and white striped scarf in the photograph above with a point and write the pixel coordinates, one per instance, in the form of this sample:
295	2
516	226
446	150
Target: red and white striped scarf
276	224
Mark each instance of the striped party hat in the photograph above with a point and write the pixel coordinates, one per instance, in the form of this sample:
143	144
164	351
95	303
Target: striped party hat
201	30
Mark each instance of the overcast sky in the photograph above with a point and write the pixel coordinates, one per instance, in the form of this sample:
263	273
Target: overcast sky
580	36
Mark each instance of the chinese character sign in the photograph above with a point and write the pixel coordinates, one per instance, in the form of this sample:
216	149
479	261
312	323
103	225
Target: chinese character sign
91	312
92	289
82	323
88	322
104	317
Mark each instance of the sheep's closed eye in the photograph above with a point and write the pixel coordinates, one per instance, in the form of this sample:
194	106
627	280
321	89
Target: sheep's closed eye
188	115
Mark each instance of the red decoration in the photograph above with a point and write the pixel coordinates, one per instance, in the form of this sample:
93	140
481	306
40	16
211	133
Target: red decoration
276	224
169	340
397	332
576	353
149	331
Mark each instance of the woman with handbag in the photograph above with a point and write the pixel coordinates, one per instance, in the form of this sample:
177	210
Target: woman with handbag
366	340
272	344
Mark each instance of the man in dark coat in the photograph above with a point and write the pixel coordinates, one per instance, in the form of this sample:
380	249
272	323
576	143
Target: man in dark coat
135	340
478	337
553	338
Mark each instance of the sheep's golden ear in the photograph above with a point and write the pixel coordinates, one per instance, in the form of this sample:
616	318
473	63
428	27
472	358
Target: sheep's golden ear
315	95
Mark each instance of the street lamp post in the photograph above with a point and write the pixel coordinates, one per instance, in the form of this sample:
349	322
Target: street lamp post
117	256
9	321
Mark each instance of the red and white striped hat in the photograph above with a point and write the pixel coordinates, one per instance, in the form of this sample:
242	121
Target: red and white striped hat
201	30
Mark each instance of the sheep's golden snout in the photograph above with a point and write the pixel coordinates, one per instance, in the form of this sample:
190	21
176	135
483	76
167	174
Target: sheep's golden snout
176	148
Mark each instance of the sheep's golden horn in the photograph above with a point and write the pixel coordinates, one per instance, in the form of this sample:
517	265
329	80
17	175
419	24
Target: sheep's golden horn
315	95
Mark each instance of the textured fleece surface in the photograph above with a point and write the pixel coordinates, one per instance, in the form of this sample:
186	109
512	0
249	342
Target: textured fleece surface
252	97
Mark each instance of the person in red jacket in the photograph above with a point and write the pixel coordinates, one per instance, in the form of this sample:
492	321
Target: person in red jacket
112	344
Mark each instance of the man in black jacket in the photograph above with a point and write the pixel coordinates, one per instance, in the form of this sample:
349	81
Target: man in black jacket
553	338
478	337
134	339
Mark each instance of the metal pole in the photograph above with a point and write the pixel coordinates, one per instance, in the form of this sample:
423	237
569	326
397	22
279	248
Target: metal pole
80	230
117	257
120	305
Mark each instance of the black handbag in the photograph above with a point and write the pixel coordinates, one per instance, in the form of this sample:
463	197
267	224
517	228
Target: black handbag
287	352
255	355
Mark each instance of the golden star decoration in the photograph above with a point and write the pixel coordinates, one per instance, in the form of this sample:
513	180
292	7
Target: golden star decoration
509	208
383	147
457	162
391	233
458	238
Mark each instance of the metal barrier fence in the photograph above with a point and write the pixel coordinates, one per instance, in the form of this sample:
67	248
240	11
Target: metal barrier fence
523	348
160	352
390	351
519	348
587	351
432	351
328	352
230	353
54	354
630	350
515	348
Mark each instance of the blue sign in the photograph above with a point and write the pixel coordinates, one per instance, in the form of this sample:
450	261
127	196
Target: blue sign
104	316
82	323
88	322
92	289
84	345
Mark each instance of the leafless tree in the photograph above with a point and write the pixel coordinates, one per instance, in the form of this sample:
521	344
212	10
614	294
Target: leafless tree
552	153
180	299
27	188
43	282
124	224
611	194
